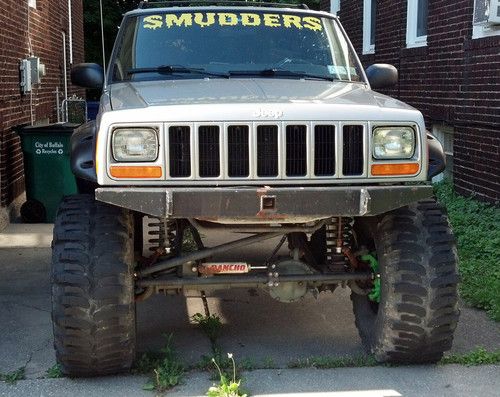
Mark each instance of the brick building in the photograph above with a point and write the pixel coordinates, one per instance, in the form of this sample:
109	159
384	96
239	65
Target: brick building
448	57
32	28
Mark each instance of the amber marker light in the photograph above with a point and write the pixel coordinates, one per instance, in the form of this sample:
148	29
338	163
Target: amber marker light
395	169
135	172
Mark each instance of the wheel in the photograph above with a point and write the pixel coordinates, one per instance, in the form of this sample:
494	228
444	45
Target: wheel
93	308
417	313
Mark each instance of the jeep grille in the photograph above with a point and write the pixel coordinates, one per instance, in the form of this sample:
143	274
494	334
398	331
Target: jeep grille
265	151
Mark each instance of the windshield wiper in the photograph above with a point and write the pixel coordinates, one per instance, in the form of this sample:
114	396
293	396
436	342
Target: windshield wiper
171	69
279	72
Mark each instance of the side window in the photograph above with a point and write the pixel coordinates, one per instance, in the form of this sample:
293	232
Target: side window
369	25
486	20
416	23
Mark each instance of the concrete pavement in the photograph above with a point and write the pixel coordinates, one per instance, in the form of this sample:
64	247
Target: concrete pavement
256	328
421	381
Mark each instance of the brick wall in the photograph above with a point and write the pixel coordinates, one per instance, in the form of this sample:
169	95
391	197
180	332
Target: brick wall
21	25
454	80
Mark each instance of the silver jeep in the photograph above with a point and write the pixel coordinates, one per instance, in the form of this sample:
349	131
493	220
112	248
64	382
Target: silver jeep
256	119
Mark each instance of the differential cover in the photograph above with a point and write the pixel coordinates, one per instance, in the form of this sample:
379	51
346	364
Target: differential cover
290	291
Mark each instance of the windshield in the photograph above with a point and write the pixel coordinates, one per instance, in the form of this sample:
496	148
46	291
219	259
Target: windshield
181	45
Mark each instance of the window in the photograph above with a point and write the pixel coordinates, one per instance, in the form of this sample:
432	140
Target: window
334	6
369	23
481	25
416	23
32	3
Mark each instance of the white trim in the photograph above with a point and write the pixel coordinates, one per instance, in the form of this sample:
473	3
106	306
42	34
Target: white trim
368	48
412	40
485	28
334	6
32	3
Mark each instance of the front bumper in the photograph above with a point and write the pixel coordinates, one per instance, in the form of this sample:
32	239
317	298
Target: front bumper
263	204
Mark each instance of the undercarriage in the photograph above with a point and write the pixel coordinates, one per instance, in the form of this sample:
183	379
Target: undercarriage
166	267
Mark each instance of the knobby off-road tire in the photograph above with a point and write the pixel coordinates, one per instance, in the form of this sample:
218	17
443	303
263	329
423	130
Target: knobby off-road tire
93	309
417	314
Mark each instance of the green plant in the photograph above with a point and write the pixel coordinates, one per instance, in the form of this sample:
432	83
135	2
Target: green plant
54	372
211	325
268	363
333	362
147	362
477	229
168	371
479	356
14	376
227	387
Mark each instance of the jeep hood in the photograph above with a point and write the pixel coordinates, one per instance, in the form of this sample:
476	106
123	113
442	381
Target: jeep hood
242	98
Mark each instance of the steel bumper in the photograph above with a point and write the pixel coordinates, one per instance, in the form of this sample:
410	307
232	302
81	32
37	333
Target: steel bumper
277	203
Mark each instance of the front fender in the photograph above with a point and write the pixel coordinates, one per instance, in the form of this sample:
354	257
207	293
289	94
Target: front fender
83	152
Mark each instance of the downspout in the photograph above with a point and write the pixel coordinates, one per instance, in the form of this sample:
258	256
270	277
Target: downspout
70	33
65	76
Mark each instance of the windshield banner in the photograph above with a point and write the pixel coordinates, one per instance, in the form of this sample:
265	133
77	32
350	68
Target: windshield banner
206	19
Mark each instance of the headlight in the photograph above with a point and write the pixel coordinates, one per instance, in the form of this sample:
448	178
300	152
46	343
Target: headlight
135	144
393	142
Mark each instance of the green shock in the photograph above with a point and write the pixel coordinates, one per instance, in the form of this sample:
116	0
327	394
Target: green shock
374	294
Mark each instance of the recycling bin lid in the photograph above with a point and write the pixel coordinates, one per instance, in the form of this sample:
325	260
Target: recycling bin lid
48	128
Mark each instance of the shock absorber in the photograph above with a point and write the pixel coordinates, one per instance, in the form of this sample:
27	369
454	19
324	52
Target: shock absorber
170	236
338	237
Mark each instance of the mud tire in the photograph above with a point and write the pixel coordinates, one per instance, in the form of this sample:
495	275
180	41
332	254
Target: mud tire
93	308
417	315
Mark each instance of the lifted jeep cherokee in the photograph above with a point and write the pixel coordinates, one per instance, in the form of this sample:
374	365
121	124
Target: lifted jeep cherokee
257	120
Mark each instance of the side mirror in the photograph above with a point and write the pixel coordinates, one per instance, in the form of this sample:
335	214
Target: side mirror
87	75
382	75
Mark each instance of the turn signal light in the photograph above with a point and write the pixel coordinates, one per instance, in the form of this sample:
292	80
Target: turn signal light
136	172
395	169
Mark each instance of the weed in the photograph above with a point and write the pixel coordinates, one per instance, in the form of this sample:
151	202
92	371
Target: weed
480	356
477	228
147	362
14	376
227	387
54	372
246	364
268	363
210	325
333	362
168	371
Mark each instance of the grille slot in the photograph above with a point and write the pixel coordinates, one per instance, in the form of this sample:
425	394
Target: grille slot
352	162
209	151
179	151
267	150
238	151
296	150
324	150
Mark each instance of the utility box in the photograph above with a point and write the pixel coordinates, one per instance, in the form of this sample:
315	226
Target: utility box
47	169
31	72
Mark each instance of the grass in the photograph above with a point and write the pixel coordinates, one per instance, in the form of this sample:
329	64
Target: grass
167	370
14	376
325	362
480	356
477	228
54	372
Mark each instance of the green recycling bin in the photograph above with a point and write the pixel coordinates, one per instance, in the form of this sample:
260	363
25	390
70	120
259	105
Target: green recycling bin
47	169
